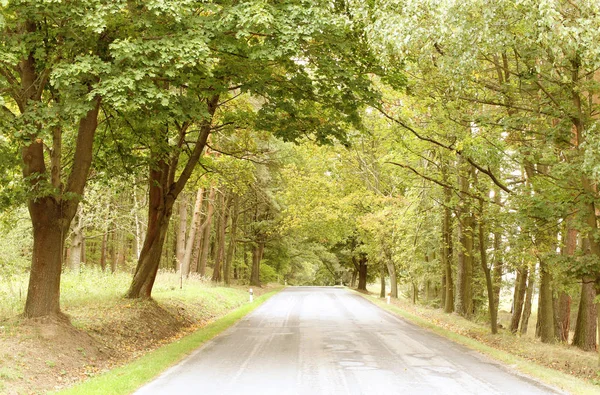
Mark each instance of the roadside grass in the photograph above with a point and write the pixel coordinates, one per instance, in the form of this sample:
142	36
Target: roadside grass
503	347
108	331
128	378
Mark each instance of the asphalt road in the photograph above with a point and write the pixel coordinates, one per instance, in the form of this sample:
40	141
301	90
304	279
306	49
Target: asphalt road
312	340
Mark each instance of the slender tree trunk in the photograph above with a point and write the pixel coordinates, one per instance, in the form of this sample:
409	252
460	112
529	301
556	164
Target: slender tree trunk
447	252
180	246
206	238
220	256
528	303
232	236
487	272
498	263
382	282
103	251
393	279
189	245
76	244
518	298
257	252
562	307
354	276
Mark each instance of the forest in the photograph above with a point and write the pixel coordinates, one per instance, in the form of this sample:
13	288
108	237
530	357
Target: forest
445	151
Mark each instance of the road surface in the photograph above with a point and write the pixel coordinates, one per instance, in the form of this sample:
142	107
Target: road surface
312	340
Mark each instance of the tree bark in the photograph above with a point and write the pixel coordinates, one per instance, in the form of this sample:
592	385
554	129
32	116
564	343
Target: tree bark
206	237
393	279
232	241
257	252
487	272
585	327
354	276
362	272
180	240
447	252
76	244
382	280
220	256
546	306
518	298
464	278
191	239
528	302
51	216
498	262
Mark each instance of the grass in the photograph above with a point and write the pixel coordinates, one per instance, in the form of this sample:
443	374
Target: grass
128	378
545	374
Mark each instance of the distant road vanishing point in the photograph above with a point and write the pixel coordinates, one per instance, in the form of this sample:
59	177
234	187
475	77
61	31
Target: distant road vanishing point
318	340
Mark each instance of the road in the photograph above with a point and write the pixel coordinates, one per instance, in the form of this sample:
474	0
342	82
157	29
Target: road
311	340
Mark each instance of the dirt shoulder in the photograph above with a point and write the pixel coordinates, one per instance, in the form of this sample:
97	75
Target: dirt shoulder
48	354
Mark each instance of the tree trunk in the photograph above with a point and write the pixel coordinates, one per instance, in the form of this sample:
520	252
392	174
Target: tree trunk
180	246
43	295
528	302
518	298
103	251
206	238
189	244
257	252
382	280
220	256
447	253
585	327
52	216
354	276
76	244
232	236
362	273
393	279
546	307
562	317
487	272
464	278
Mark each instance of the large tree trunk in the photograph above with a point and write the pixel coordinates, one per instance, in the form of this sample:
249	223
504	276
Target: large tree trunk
562	317
257	252
518	298
232	241
546	306
362	272
206	237
51	216
43	294
585	327
220	256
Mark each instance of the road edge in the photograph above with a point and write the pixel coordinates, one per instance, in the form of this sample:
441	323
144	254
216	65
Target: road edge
128	378
546	376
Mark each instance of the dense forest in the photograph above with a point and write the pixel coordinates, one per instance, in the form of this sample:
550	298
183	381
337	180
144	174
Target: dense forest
444	149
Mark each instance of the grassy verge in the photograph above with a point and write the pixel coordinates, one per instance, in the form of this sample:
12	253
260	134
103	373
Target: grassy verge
545	374
128	378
